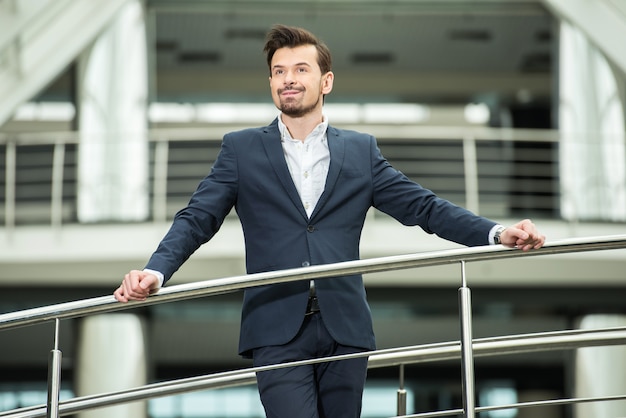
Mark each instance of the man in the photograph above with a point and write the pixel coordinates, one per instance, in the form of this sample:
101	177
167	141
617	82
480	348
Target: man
301	189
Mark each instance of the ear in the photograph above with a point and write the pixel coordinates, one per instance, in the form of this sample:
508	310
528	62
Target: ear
327	82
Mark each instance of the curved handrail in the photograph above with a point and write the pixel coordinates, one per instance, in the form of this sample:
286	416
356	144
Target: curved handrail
230	284
383	358
483	347
549	402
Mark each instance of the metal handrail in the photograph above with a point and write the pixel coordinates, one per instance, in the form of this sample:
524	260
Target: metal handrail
470	137
483	347
216	131
199	289
220	286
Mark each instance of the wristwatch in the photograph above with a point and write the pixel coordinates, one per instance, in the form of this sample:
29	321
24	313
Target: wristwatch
496	235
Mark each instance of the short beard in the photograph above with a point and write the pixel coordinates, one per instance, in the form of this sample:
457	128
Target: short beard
295	110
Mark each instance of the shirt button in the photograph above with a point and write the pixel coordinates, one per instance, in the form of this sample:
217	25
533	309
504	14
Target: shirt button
310	228
305	264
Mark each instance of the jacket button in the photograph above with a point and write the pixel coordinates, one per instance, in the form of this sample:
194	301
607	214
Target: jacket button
310	228
305	264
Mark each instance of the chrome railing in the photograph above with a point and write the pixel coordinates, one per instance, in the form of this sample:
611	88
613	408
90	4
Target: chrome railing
459	181
467	348
498	346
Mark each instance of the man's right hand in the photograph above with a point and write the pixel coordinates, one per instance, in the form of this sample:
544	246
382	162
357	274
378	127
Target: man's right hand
137	285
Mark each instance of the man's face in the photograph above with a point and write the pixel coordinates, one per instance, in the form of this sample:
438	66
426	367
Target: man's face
296	81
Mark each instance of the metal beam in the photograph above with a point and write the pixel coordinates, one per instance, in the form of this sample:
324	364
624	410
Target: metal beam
603	21
46	45
352	7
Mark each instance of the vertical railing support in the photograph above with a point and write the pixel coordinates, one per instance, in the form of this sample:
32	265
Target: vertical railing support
467	356
401	407
10	185
56	204
159	195
54	376
470	163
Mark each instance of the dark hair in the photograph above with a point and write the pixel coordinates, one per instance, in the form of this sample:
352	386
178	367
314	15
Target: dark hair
281	36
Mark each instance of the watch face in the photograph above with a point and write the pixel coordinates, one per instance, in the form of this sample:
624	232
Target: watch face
496	236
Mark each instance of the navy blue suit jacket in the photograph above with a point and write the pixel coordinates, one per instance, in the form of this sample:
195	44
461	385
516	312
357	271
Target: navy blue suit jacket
251	175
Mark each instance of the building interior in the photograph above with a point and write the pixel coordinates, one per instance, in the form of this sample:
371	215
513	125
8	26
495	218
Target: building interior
526	96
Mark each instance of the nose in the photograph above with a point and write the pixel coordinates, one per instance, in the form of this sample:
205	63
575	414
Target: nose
289	78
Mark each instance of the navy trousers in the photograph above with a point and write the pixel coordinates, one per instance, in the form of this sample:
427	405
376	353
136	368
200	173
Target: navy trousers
324	390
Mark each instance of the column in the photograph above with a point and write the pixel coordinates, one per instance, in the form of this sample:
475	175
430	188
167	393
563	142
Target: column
111	356
113	151
591	121
600	371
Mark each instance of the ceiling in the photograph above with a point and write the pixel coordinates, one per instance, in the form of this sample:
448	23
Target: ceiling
441	51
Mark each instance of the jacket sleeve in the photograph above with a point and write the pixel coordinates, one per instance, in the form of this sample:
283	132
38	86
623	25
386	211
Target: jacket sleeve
412	204
200	220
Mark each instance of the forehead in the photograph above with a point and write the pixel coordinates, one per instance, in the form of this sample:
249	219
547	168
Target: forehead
303	54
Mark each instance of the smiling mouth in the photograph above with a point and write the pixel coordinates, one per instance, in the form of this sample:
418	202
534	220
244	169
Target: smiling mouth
289	92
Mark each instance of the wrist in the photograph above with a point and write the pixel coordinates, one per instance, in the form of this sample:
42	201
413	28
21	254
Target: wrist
158	275
497	235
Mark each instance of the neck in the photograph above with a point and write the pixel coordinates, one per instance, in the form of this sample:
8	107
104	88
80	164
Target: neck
301	127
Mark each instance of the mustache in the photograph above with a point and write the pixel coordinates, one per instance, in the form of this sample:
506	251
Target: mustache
290	88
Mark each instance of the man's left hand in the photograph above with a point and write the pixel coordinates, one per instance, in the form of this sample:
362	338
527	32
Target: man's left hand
522	235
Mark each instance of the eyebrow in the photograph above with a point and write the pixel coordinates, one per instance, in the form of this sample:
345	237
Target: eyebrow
299	64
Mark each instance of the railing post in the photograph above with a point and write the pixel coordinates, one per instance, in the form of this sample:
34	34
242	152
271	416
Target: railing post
54	376
56	204
470	163
10	179
401	407
159	195
467	356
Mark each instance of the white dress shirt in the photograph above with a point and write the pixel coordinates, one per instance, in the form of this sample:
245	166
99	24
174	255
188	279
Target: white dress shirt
308	162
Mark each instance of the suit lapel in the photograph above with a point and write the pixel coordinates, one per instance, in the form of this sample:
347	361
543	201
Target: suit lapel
276	156
336	146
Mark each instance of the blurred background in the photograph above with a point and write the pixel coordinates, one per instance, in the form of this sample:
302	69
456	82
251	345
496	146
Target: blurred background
112	112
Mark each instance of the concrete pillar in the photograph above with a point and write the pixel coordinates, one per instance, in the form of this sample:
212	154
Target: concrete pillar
601	371
112	118
592	124
111	356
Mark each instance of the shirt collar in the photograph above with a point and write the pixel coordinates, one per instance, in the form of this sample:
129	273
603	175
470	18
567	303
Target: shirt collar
318	131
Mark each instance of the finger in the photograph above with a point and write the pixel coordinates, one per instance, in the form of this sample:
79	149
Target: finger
119	294
148	282
130	288
534	242
523	235
132	278
139	289
540	242
516	236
